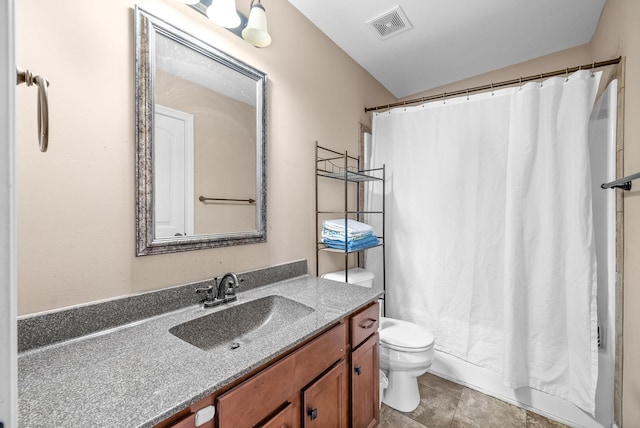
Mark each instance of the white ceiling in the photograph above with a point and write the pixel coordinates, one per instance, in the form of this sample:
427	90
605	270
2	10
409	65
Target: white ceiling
187	63
452	39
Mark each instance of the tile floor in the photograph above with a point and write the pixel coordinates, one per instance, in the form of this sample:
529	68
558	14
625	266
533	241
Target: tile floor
445	404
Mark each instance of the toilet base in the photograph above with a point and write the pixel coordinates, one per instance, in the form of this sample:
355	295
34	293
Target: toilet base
402	393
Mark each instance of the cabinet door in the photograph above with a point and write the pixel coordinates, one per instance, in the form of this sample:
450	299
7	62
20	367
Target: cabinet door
365	388
325	402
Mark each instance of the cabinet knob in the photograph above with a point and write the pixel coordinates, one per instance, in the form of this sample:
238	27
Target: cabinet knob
312	413
358	370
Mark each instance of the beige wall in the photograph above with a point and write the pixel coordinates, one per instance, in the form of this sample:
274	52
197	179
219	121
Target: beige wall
224	153
76	218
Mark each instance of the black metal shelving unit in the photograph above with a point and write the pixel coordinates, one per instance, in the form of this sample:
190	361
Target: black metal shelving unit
334	165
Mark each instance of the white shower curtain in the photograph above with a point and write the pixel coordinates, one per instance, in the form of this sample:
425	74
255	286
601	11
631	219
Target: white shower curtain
489	239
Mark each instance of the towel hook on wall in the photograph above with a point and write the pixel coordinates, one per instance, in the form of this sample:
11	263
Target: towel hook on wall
43	104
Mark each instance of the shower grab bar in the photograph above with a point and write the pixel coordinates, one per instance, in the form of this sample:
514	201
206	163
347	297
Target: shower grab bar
623	183
43	104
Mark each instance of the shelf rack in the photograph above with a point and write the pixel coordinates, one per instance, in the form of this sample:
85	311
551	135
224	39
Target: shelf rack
331	164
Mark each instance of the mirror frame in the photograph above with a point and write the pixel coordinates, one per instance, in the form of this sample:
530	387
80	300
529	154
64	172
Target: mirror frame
146	26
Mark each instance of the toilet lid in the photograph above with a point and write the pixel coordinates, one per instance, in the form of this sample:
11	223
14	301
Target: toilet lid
404	334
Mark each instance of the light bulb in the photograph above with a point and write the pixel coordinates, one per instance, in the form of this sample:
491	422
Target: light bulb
256	30
224	13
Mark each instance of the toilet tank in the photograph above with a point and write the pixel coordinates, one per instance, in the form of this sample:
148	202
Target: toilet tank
357	276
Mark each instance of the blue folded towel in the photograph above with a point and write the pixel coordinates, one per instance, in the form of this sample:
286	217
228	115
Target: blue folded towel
352	245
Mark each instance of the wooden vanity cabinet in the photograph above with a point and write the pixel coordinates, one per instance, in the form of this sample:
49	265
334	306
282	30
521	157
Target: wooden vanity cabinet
331	381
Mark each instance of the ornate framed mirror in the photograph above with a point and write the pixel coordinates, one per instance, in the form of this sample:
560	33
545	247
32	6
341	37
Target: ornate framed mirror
200	143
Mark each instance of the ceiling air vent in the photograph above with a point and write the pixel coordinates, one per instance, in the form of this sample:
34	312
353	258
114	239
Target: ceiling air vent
390	23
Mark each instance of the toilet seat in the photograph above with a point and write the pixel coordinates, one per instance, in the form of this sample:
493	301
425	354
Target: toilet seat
405	349
404	336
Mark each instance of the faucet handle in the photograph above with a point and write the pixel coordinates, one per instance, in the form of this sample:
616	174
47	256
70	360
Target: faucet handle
207	289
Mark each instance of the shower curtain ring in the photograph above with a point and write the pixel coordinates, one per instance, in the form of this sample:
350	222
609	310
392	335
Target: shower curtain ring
520	83
467	94
541	77
566	74
593	66
444	101
491	89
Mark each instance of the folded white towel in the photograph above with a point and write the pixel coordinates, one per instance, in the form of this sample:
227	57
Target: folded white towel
332	234
353	227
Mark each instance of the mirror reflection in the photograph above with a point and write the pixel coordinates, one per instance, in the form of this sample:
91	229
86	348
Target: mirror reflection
202	140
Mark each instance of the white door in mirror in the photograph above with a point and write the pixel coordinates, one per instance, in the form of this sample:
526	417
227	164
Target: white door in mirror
173	173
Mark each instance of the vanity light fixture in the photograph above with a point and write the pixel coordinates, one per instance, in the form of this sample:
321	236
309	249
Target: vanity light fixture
224	13
256	30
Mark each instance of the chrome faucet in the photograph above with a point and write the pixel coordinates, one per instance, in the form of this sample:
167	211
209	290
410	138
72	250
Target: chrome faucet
227	287
222	291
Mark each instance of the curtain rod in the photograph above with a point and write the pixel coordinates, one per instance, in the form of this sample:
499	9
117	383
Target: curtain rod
492	86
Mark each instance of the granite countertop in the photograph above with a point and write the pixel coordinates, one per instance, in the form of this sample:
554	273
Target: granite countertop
139	374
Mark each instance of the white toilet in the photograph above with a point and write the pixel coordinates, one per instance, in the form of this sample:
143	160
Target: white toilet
406	350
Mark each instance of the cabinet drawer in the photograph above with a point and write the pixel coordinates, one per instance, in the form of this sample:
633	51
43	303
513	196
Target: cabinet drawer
364	324
259	396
